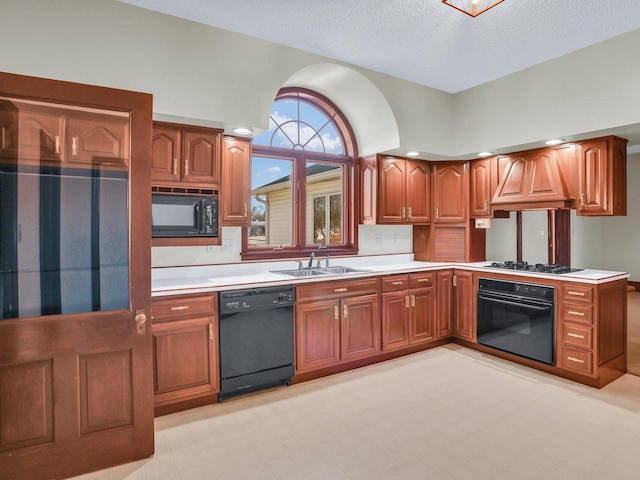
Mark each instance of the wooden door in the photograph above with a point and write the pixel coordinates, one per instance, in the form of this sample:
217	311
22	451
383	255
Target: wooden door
422	315
391	195
465	299
395	320
444	306
481	187
450	192
360	332
418	194
166	159
317	335
236	181
76	391
201	154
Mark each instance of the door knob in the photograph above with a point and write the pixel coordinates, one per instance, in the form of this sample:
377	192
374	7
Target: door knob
140	320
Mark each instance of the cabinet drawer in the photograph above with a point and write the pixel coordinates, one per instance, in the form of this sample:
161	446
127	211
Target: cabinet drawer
577	293
337	289
395	283
172	307
577	313
421	280
577	360
577	335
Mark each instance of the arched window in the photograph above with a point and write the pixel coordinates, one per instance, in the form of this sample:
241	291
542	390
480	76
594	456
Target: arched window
303	172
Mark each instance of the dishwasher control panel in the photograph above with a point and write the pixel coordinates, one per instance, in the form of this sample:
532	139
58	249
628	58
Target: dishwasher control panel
255	299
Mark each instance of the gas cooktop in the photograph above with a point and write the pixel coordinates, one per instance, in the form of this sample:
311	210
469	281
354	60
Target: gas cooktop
538	267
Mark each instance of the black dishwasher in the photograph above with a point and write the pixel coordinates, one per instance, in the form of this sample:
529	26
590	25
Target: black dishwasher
256	339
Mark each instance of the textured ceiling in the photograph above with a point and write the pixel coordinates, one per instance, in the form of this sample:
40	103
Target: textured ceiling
423	41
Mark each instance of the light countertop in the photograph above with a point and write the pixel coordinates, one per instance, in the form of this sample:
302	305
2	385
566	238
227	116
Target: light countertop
211	278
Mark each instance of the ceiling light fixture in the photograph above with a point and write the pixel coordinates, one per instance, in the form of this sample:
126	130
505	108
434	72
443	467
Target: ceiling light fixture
242	131
473	8
485	154
555	141
412	154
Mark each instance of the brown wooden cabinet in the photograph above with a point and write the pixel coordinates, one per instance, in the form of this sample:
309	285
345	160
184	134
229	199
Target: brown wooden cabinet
403	191
185	154
465	305
450	192
236	181
50	135
593	330
602	177
336	322
444	304
185	351
480	195
408	310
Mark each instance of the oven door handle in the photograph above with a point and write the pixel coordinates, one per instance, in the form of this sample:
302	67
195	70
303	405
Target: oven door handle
516	304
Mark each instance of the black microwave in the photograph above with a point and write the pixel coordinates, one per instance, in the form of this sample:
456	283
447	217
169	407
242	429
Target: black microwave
184	215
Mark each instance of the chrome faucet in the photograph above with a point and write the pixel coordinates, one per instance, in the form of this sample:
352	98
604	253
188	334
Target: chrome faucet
311	259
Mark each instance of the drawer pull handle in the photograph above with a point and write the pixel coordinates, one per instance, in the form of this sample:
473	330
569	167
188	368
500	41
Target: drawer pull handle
574	359
74	145
338	290
179	308
57	138
396	283
574	335
573	312
421	280
576	294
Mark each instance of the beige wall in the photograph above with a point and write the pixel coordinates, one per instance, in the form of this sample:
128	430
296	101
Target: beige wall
208	76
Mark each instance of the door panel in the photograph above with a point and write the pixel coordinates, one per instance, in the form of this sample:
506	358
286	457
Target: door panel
75	271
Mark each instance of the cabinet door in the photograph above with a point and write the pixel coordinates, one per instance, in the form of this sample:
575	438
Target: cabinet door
481	188
236	171
444	306
465	301
185	359
450	192
391	196
602	177
201	152
317	335
368	189
395	320
166	154
422	315
418	192
360	327
98	139
35	133
511	180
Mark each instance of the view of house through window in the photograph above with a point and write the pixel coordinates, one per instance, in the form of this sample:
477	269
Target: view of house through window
301	173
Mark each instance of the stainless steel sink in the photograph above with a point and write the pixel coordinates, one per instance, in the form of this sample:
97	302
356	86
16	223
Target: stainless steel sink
308	272
341	270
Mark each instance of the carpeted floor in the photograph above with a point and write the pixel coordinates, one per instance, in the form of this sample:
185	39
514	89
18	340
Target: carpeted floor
447	413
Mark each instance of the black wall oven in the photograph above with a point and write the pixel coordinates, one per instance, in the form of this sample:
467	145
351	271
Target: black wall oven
517	318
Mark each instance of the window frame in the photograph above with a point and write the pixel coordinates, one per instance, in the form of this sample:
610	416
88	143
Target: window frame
350	185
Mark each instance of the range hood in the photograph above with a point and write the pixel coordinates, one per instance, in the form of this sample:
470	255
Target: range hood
534	180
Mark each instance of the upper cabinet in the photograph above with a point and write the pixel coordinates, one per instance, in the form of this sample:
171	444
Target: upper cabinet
450	192
236	171
186	154
480	188
45	134
403	191
602	177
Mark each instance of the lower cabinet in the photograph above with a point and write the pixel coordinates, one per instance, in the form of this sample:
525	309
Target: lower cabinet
444	304
465	306
185	351
342	329
408	310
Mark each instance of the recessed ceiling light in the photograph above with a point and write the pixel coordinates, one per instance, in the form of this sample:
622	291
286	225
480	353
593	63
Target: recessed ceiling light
485	154
242	131
412	154
554	141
